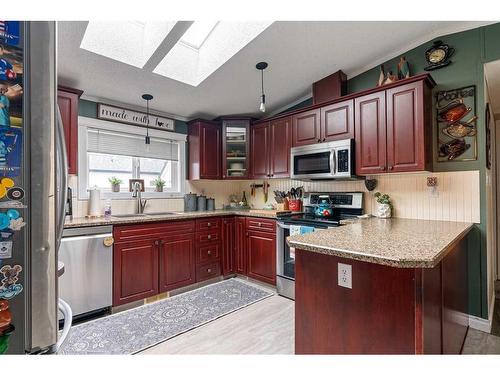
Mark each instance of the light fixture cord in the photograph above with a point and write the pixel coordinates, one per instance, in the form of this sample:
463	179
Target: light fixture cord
147	118
262	80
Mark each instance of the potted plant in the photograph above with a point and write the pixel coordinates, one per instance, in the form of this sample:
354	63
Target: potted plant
384	209
159	184
115	184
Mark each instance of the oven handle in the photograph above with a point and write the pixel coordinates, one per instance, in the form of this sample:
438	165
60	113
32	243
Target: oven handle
282	225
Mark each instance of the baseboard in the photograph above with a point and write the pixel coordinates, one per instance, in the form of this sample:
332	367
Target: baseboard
483	324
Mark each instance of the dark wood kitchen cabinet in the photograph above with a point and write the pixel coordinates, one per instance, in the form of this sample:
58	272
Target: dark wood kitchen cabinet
306	128
228	246
67	101
393	128
370	133
261	249
135	271
177	264
205	150
235	147
259	150
281	141
209	243
270	150
409	138
337	121
240	245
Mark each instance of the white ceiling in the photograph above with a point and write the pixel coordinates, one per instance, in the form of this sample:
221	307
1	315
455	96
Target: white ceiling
492	73
298	54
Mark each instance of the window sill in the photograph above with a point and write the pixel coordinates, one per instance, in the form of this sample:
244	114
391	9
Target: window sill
128	196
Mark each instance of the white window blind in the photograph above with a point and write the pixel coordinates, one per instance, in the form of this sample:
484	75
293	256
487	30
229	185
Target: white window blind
117	143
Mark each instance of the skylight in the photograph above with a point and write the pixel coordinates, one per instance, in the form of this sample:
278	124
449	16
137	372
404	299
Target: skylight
131	42
198	33
217	42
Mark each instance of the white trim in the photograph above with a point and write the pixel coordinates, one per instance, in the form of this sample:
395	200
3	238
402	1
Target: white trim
85	122
483	324
132	107
287	106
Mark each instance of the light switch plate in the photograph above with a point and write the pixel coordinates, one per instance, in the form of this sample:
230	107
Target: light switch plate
345	275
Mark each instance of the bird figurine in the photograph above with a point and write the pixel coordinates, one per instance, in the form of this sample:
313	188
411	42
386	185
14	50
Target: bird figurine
381	77
403	68
390	78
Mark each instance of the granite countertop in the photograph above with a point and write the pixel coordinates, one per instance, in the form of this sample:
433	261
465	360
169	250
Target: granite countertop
404	243
175	215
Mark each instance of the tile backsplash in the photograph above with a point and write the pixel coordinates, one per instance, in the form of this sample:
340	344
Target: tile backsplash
457	197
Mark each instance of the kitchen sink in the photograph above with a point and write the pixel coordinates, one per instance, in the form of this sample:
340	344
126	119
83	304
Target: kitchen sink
161	213
128	215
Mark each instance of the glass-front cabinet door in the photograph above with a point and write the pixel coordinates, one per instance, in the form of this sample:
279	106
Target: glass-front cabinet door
235	140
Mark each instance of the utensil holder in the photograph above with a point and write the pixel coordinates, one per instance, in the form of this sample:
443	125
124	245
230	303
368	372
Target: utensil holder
295	205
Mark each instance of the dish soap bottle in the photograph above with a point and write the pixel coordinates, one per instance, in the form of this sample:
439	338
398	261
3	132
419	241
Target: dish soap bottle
107	209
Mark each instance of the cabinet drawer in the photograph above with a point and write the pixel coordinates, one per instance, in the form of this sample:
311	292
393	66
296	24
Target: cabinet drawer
208	252
263	225
208	224
135	232
207	271
208	236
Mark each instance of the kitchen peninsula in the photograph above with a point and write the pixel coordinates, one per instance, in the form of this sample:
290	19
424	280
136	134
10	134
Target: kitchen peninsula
406	290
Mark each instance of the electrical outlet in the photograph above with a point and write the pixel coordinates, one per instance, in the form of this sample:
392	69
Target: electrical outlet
345	275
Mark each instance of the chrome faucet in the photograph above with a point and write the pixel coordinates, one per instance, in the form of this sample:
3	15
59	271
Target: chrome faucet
140	203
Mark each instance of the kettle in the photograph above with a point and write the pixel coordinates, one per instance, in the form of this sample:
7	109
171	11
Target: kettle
323	209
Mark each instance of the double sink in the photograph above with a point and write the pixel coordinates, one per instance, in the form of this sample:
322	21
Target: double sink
148	214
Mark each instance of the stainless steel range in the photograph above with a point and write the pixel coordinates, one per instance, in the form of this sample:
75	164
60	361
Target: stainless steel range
321	211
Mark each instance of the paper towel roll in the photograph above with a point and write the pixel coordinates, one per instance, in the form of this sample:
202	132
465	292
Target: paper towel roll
94	202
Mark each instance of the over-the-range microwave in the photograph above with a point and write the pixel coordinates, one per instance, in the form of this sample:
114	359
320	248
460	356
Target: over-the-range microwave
323	161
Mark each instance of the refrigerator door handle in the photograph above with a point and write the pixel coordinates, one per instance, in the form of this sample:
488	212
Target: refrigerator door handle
62	173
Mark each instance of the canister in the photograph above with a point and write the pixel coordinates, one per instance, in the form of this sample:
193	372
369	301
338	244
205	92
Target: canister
210	204
202	203
190	202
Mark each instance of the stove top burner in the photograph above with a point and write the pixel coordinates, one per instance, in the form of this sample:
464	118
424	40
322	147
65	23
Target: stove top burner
313	219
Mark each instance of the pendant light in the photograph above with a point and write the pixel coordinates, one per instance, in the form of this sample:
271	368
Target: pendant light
261	66
147	98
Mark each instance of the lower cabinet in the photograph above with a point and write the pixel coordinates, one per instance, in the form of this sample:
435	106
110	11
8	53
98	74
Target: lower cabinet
261	263
228	246
135	271
176	262
149	259
240	245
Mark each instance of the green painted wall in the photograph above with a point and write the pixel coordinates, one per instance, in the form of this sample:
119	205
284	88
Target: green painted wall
473	48
88	108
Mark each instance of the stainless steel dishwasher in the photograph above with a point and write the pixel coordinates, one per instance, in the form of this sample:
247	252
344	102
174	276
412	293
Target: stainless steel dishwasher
87	254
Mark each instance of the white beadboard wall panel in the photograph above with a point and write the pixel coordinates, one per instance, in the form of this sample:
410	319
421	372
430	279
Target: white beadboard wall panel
457	198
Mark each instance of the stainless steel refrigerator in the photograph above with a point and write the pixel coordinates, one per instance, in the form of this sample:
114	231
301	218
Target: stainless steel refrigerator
36	191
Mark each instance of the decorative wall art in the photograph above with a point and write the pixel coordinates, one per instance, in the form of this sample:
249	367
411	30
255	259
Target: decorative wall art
127	116
456	124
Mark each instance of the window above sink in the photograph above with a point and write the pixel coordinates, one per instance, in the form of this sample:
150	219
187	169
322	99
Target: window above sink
110	149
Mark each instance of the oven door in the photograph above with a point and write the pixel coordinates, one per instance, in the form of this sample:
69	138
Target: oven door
309	162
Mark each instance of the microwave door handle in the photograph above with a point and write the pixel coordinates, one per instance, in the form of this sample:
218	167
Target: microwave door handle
332	162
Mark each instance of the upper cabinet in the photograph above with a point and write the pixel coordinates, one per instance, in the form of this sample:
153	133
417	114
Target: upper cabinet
235	148
393	129
337	121
270	148
329	123
205	150
306	128
67	101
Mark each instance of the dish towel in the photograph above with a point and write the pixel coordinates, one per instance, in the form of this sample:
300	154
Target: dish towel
296	230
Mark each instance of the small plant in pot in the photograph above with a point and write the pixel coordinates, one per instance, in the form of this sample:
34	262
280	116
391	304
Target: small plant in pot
159	184
115	184
384	209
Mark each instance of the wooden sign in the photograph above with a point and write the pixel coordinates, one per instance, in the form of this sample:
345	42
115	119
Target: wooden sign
127	116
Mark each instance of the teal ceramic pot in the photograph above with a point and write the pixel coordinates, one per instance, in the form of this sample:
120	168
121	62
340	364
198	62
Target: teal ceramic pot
323	209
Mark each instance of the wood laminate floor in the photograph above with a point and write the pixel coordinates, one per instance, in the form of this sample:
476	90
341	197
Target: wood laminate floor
267	327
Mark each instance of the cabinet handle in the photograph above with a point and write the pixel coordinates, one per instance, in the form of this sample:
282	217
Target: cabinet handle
209	270
390	167
382	168
209	237
157	243
259	224
209	224
209	252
